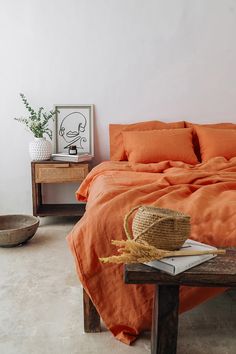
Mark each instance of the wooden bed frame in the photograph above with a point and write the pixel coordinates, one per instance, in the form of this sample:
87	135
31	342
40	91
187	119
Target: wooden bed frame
91	316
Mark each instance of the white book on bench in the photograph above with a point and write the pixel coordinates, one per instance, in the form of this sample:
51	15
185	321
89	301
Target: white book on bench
176	265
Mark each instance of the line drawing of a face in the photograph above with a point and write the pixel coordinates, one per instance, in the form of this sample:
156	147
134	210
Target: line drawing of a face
71	127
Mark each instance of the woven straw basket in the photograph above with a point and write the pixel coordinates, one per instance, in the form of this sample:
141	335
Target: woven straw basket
162	228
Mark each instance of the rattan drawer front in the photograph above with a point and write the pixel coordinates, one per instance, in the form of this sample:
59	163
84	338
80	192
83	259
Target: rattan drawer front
60	173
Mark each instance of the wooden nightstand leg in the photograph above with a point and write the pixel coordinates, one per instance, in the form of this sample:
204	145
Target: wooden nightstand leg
165	320
39	193
34	190
91	316
36	197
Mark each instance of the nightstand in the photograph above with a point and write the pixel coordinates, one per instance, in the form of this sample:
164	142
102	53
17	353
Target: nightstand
56	172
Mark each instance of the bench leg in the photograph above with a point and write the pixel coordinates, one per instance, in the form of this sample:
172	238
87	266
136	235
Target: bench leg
165	320
91	316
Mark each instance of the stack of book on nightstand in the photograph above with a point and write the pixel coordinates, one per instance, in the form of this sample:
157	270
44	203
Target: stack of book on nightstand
72	158
176	265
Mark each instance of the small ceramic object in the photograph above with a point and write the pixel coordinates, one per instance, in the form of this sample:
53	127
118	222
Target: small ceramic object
72	150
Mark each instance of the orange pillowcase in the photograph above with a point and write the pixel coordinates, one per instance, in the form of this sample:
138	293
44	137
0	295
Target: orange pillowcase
213	125
216	142
160	145
117	151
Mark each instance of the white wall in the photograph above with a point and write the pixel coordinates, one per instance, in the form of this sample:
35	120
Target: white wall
134	59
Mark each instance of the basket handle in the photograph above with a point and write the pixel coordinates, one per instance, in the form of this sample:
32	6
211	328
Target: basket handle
126	223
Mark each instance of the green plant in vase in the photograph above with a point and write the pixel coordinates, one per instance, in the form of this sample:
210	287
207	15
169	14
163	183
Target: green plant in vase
37	122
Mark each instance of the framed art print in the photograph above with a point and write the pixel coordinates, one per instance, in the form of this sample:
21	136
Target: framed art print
74	126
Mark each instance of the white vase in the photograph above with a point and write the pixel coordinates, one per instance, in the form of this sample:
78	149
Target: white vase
40	149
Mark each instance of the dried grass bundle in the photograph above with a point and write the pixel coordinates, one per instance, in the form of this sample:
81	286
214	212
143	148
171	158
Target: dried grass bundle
140	252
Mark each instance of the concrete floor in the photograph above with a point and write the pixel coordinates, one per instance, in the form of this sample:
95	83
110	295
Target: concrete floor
41	306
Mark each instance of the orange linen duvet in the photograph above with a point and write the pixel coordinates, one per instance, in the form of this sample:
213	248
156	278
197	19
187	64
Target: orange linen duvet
206	191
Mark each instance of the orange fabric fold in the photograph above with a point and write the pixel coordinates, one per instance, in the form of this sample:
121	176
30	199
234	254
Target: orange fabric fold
207	192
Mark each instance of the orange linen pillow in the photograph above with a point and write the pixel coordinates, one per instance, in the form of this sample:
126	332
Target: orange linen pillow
160	145
212	125
117	151
216	142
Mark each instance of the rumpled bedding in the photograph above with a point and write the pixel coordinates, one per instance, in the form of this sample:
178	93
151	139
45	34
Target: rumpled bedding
206	192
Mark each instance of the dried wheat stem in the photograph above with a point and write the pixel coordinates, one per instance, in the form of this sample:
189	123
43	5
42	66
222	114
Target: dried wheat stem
131	251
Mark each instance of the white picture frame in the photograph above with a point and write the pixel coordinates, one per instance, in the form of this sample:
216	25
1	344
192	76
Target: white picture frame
74	126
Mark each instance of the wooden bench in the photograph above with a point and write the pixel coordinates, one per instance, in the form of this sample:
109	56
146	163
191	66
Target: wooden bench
217	272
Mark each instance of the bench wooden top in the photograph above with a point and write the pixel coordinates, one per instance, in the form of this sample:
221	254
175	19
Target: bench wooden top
217	272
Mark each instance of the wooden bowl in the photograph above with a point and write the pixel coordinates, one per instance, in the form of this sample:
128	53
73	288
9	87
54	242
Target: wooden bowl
17	229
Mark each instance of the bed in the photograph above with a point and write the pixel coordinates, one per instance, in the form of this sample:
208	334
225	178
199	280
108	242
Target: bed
182	166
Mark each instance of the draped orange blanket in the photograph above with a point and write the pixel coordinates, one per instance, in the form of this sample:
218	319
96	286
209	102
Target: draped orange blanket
207	192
